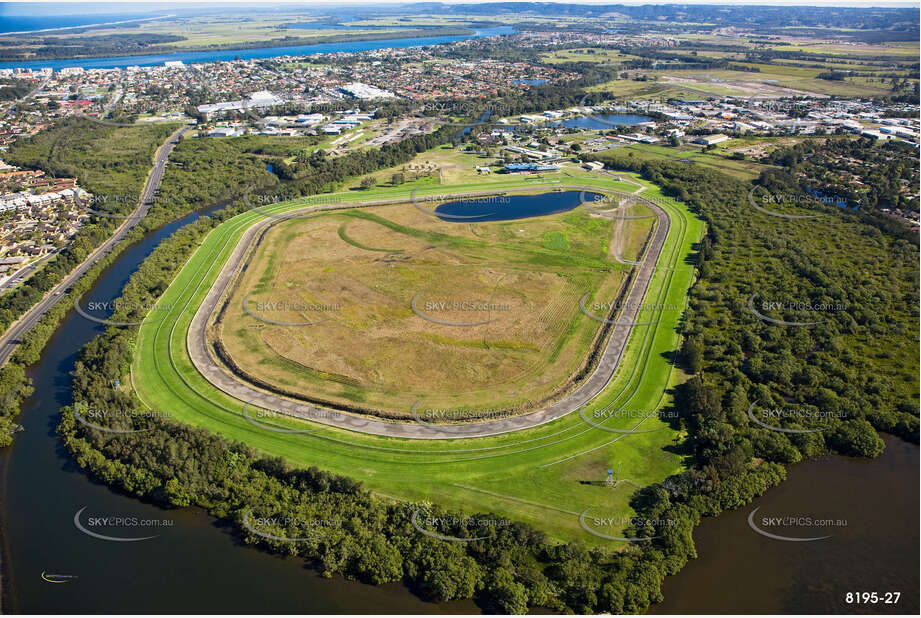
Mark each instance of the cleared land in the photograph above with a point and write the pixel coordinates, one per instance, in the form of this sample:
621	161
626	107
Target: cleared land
545	476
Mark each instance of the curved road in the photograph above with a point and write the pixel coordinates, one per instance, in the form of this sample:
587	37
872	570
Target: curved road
224	380
11	338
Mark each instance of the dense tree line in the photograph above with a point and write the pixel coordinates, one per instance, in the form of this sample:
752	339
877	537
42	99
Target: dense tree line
43	47
850	374
712	16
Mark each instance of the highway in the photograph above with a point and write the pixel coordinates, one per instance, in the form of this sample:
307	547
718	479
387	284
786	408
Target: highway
13	335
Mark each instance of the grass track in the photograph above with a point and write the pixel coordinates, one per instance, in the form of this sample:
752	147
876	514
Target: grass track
536	475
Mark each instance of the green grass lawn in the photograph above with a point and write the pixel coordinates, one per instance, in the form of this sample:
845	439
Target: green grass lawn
544	476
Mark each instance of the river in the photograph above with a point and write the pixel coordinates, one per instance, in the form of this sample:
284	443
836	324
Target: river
196	565
117	62
741	571
193	566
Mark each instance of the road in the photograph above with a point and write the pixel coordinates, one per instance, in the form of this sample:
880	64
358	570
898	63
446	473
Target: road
223	378
25	271
13	335
12	107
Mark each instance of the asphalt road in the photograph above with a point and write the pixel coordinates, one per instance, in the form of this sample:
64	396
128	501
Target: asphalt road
13	335
25	271
220	376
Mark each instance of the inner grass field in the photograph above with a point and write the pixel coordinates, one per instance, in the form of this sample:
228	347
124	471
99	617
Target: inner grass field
349	335
544	476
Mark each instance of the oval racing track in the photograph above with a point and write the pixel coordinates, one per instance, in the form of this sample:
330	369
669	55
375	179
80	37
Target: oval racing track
589	388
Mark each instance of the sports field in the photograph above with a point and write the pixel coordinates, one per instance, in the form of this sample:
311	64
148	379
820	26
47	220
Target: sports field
545	476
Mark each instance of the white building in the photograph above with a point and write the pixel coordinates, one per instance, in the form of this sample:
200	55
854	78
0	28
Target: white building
256	100
364	91
709	140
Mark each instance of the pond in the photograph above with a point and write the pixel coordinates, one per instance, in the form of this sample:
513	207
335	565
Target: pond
509	207
602	121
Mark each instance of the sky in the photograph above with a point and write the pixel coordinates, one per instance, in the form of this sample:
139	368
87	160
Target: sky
146	5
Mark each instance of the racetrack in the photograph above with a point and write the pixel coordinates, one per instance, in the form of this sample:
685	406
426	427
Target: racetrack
542	475
221	377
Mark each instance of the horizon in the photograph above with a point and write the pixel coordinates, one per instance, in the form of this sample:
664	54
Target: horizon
271	4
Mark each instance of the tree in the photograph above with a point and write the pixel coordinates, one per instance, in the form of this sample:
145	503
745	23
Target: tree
692	354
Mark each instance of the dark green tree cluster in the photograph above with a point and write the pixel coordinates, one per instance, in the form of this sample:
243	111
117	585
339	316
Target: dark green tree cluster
317	173
816	319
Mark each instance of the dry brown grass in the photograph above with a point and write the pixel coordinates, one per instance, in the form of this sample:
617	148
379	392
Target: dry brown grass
372	351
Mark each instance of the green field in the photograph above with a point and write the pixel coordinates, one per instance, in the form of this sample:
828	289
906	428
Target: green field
691	154
544	476
599	55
